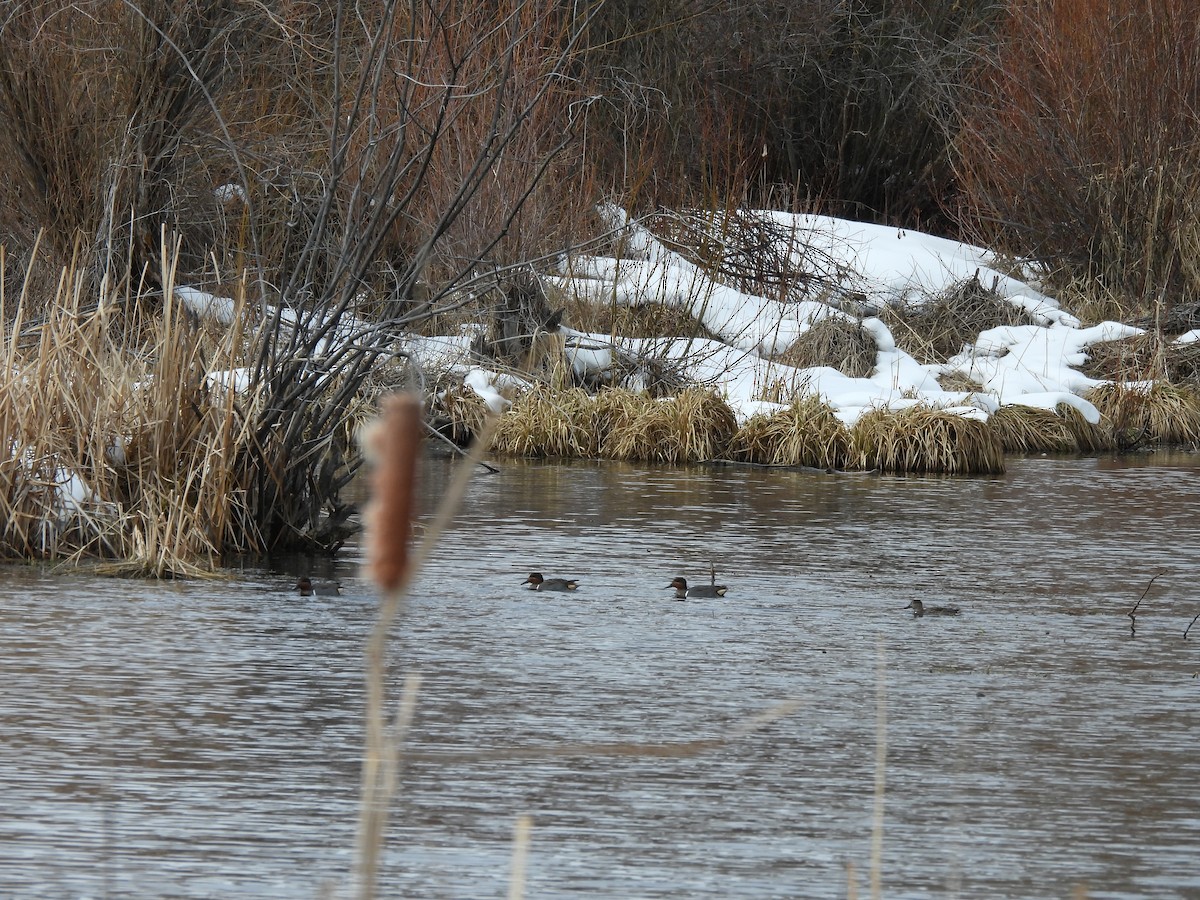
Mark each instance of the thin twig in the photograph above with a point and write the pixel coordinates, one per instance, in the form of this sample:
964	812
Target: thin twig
429	429
1133	612
1190	624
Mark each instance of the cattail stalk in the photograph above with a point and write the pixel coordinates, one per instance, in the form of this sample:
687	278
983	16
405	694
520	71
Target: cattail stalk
395	445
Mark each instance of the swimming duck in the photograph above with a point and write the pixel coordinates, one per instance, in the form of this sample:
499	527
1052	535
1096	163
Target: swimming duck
308	588
682	591
537	583
920	609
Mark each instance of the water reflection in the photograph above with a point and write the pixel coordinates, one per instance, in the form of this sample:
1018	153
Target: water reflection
202	739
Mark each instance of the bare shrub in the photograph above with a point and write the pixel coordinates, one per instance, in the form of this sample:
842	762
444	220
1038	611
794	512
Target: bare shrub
421	134
1080	147
111	112
782	104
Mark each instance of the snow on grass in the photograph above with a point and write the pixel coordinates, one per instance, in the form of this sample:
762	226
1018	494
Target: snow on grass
1034	365
876	266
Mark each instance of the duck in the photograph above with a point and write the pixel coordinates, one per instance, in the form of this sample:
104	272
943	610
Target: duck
537	583
682	591
920	609
306	587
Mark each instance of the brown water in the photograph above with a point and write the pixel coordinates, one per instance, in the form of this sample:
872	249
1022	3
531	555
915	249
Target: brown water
202	739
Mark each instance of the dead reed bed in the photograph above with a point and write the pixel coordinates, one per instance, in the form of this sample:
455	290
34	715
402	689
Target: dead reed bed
1145	415
120	445
693	426
836	342
1023	429
922	439
547	423
807	433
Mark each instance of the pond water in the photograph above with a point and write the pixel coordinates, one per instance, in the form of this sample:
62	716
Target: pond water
202	739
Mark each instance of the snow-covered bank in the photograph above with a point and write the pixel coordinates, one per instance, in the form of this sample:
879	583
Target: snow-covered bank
876	267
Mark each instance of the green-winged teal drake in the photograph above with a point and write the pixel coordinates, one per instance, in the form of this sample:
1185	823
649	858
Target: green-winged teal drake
306	587
920	609
537	583
682	591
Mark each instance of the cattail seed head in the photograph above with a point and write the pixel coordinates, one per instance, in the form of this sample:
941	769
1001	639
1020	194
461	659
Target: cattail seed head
394	443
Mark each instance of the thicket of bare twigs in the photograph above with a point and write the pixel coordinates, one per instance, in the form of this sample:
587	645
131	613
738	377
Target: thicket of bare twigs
1078	146
346	170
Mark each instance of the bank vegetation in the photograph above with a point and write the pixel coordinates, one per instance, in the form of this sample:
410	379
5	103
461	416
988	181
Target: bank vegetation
219	220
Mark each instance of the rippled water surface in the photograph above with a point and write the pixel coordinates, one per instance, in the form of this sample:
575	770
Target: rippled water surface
202	739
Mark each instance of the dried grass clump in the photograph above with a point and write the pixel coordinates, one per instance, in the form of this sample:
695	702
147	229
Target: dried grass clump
1183	363
1144	357
1089	437
835	342
693	426
921	439
616	411
645	320
119	448
458	414
1024	429
1141	357
547	423
1162	414
805	434
939	327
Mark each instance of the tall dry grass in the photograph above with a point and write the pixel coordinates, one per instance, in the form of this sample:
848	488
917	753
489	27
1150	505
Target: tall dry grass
1023	429
921	439
805	434
693	426
1157	414
118	443
1079	147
